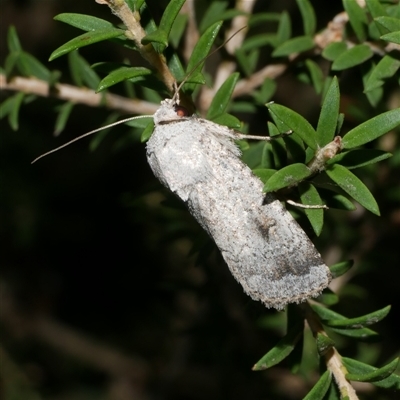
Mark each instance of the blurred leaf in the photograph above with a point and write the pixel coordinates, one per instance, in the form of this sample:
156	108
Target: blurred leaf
10	62
101	135
85	22
390	23
216	11
121	74
294	46
62	117
372	129
287	176
85	40
317	76
147	132
263	173
360	322
359	158
320	388
12	106
228	120
248	61
329	114
354	56
386	68
340	268
376	9
308	17
201	49
328	298
265	92
283	348
358	368
353	186
222	97
298	124
358	18
255	42
178	29
284	31
81	72
334	50
309	196
13	42
31	66
393	37
161	35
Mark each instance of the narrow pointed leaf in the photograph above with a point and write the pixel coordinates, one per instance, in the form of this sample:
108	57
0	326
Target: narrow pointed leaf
377	375
360	322
358	368
340	268
393	37
372	129
358	18
309	196
264	173
324	343
33	67
283	348
359	158
228	120
352	57
13	42
329	114
334	50
294	46
121	74
320	388
284	31
353	186
294	121
308	17
317	76
386	68
85	22
82	73
13	115
147	132
222	98
62	117
85	40
390	23
360	334
287	176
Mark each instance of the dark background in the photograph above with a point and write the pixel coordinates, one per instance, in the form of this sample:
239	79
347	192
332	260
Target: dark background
101	296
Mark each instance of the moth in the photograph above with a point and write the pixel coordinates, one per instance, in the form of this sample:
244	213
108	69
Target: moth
265	249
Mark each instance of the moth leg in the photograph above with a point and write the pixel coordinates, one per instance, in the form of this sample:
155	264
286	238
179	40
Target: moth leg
307	206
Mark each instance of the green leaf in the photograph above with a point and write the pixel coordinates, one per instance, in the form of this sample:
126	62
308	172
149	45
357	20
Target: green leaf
376	9
393	37
328	298
266	91
309	196
13	115
201	49
178	29
358	18
353	186
386	68
13	42
255	42
121	74
336	200
85	22
359	322
6	107
320	388
81	71
317	76
294	121
10	62
287	176
85	40
284	31
390	23
162	33
329	114
340	268
33	67
147	132
358	368
275	154
228	120
372	129
294	46
334	50
62	117
282	349
216	11
354	56
308	17
324	343
378	375
264	173
359	158
360	334
222	97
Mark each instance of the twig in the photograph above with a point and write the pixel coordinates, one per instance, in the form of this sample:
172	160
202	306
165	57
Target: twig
332	357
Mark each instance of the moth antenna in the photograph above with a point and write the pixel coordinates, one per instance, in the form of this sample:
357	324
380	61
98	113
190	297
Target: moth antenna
90	133
176	95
